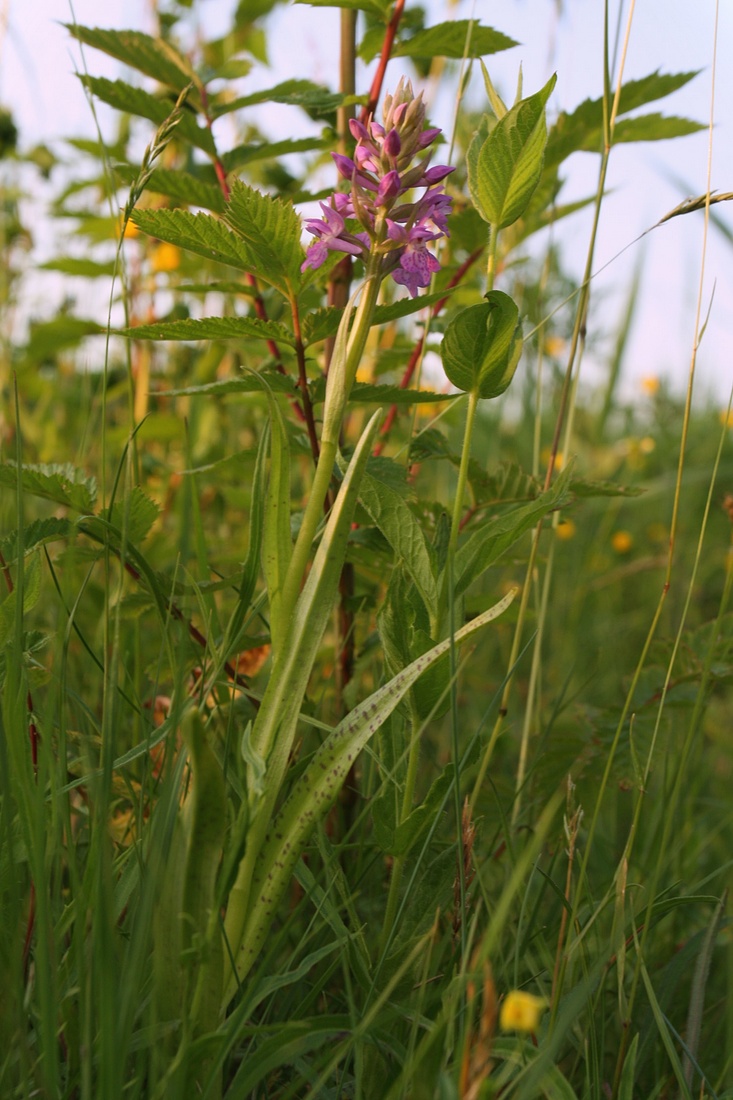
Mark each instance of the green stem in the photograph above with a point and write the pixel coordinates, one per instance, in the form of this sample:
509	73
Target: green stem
473	400
348	351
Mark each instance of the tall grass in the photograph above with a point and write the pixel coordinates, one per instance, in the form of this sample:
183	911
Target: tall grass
268	827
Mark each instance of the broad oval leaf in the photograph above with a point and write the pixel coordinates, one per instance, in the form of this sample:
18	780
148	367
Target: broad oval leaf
482	345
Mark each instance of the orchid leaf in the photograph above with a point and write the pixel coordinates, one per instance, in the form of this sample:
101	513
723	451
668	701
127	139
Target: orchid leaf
315	791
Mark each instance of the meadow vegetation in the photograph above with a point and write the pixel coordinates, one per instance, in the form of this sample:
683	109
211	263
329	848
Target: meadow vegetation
363	735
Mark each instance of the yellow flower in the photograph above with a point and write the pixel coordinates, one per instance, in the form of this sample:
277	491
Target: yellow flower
650	384
554	346
726	418
521	1011
165	257
565	529
622	541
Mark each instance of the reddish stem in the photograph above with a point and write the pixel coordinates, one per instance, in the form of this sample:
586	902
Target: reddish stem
376	89
257	299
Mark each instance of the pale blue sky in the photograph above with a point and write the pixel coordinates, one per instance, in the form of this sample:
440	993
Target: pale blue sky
36	80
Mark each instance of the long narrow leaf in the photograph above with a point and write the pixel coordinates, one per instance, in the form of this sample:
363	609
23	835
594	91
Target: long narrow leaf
319	785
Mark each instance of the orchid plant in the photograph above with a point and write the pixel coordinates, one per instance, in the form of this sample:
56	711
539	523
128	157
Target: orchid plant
239	799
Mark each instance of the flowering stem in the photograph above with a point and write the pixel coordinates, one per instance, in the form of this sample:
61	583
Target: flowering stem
347	356
473	399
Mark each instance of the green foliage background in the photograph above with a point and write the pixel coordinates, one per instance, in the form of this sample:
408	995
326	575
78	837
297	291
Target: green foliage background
546	810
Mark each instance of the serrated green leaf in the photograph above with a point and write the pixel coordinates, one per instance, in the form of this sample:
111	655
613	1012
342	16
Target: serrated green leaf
582	129
510	160
185	188
134	516
152	56
369	393
269	230
62	483
49	337
250	383
134	101
482	345
269	150
37	533
313	98
75	266
654	127
200	233
379	8
392	515
456	38
488	543
211	328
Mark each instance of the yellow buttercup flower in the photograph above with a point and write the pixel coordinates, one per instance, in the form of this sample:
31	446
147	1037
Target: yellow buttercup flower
565	529
165	257
622	541
650	384
521	1011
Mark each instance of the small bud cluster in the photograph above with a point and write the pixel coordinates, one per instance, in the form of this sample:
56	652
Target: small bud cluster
380	174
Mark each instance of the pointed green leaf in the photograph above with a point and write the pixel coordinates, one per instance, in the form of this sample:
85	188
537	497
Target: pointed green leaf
62	483
270	232
489	542
200	233
473	155
134	516
387	509
655	127
379	8
183	187
211	328
153	57
274	729
37	533
482	346
510	160
583	127
48	337
315	791
269	150
456	38
313	98
77	266
134	101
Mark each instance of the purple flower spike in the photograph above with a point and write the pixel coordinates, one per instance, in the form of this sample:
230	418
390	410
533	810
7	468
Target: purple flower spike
427	137
389	161
358	130
389	188
417	267
345	165
392	144
438	173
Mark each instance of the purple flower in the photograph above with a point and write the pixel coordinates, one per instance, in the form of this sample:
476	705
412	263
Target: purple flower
417	267
332	236
388	163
